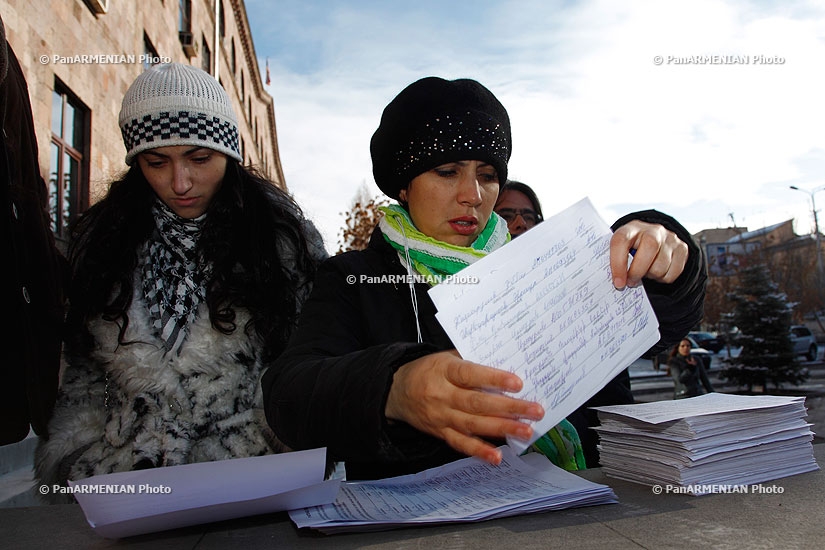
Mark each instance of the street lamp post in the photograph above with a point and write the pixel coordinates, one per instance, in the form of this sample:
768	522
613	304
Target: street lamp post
819	266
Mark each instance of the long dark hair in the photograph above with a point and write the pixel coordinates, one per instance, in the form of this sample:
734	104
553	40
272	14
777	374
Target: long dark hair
251	226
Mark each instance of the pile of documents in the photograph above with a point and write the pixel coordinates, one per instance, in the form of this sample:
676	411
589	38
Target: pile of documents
706	444
463	491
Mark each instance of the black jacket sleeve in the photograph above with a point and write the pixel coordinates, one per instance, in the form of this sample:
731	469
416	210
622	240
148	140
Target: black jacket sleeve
679	306
329	388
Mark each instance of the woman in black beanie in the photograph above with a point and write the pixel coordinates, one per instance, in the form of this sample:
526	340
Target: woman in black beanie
369	372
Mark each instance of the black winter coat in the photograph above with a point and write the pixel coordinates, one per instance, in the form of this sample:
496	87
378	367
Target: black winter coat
329	388
38	274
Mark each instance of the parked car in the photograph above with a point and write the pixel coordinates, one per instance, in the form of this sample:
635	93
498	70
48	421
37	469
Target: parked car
660	360
708	340
804	342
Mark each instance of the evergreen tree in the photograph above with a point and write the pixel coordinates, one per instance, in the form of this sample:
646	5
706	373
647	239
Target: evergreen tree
763	315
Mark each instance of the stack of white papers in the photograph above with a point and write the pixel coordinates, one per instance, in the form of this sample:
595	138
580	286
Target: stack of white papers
463	491
706	444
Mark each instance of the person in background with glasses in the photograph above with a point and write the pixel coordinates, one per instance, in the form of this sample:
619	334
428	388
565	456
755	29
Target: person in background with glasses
519	206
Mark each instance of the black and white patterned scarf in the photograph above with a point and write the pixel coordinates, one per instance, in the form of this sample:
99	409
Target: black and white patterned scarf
174	279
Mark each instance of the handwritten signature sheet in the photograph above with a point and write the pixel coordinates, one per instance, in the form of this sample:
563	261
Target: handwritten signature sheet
544	307
461	491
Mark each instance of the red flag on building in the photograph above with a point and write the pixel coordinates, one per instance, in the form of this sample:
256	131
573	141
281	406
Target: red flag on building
267	72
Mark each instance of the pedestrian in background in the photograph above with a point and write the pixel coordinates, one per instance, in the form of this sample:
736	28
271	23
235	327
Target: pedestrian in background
687	371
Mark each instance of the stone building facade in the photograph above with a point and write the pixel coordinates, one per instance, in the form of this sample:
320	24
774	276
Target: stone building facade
79	58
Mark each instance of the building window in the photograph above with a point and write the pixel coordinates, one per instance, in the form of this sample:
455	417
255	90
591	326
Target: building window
97	7
68	172
206	58
232	57
150	54
243	92
187	39
221	20
184	15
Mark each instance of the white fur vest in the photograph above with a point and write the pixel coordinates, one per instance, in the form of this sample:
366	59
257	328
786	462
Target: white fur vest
126	407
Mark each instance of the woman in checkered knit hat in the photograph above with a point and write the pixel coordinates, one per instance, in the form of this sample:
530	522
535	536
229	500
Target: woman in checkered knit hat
187	278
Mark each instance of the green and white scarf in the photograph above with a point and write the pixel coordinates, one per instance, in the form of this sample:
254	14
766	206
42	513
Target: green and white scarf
434	260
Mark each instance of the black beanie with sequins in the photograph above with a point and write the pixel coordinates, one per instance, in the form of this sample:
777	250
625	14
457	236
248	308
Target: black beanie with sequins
433	122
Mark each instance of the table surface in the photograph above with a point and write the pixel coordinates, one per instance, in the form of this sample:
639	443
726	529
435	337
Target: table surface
794	518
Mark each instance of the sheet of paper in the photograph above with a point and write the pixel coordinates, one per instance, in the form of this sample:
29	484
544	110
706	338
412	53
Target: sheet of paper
657	412
130	503
544	307
465	490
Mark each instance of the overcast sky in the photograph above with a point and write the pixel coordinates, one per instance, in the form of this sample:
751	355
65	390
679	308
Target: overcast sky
592	112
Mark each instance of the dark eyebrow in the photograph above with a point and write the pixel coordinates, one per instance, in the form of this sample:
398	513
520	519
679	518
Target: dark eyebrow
186	153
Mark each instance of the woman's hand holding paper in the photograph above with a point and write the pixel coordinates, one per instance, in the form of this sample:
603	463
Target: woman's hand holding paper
658	254
460	402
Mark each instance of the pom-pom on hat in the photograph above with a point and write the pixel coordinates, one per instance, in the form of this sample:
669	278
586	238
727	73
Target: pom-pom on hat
176	104
435	121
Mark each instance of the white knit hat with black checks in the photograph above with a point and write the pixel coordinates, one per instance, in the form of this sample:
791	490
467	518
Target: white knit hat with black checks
176	104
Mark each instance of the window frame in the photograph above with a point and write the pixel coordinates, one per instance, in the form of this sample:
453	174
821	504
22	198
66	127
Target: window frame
78	192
